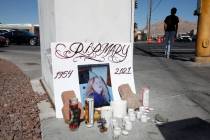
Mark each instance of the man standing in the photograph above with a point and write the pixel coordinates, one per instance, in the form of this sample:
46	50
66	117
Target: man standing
170	27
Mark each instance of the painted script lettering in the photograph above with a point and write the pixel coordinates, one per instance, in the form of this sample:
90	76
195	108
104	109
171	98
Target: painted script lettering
63	74
124	70
77	51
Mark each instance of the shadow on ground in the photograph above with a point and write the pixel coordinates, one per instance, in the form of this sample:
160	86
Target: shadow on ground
182	56
188	129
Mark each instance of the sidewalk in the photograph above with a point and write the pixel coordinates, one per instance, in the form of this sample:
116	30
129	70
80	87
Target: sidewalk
179	93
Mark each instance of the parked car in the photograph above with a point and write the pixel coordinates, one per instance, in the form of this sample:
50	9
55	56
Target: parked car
3	41
184	38
21	37
3	31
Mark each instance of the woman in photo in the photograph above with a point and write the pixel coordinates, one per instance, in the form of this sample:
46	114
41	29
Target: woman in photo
97	89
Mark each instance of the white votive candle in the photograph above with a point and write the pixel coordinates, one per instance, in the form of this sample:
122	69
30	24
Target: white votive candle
114	123
138	115
119	108
130	110
117	131
143	118
132	117
128	126
142	109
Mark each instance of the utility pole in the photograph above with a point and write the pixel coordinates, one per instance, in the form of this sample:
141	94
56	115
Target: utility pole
149	12
203	32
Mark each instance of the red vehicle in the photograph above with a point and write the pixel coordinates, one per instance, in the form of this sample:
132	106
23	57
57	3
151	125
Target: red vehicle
3	41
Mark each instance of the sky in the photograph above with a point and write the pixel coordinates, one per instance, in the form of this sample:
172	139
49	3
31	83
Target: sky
162	8
26	11
18	11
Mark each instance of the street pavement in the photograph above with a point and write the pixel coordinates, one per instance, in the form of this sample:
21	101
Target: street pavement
27	58
181	50
179	92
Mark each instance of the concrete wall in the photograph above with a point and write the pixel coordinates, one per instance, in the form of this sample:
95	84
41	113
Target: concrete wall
82	20
47	35
93	20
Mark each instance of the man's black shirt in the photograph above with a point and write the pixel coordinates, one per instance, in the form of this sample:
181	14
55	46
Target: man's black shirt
171	21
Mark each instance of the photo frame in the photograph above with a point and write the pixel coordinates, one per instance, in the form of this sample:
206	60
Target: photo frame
95	81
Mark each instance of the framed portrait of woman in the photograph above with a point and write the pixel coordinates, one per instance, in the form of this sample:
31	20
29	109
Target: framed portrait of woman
95	82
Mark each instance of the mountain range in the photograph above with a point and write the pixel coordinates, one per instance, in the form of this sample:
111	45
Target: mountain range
184	27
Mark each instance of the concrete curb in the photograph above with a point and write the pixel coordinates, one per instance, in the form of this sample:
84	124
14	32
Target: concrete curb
48	91
46	108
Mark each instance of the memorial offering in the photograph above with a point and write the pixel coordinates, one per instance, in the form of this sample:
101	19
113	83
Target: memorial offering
89	112
106	113
128	125
145	96
97	115
66	97
116	133
133	100
114	123
119	108
117	119
101	124
138	115
74	114
131	114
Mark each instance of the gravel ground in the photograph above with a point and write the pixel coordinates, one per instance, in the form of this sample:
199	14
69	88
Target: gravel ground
19	114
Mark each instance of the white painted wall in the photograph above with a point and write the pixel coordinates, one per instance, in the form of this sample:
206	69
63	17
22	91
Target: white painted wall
82	20
47	35
93	20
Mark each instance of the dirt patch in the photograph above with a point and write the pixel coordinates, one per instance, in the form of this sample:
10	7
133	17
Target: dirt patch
19	114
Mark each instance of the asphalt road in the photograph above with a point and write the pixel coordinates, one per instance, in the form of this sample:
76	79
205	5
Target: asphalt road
180	50
28	58
177	45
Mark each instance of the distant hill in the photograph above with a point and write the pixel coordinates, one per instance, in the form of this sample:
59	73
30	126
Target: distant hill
184	26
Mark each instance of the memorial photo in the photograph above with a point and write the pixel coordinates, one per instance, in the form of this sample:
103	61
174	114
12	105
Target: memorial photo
95	82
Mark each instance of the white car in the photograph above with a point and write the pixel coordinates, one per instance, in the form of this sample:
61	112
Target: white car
184	37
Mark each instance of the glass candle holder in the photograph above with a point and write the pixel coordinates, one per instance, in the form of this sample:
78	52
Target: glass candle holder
74	114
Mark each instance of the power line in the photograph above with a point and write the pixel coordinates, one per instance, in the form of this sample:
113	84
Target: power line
149	17
156	6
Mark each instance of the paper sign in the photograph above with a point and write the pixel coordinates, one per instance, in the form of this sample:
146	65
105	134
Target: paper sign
91	69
